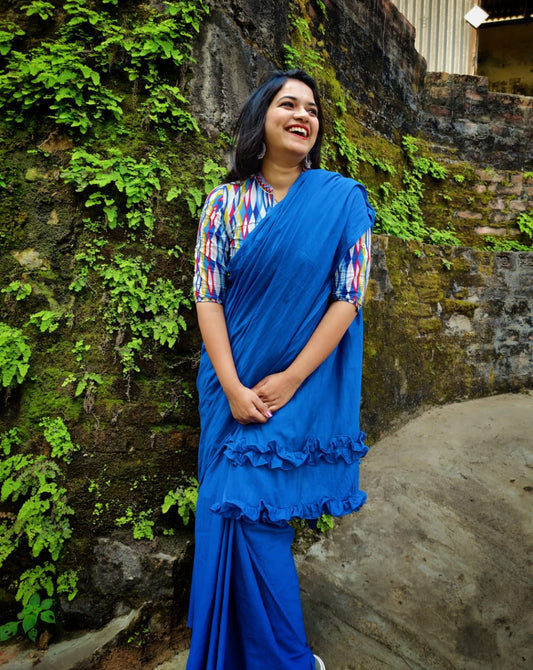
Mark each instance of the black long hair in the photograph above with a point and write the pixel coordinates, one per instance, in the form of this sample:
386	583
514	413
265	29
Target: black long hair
250	126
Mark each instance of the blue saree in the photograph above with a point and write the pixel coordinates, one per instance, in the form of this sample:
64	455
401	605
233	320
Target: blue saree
245	610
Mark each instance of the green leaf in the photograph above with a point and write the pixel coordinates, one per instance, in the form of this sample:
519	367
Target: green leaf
29	622
173	192
8	630
48	616
80	387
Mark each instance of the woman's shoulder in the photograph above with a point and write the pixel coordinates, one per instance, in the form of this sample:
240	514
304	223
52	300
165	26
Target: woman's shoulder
338	186
325	178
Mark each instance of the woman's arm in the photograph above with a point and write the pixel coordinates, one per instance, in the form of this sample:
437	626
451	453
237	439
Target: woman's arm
276	390
245	404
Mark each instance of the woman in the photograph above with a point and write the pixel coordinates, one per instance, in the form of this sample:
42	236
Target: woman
281	263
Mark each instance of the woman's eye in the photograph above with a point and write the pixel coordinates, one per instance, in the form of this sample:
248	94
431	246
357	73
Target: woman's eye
312	111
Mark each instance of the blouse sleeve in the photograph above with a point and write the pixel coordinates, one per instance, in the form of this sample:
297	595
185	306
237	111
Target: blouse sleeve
212	250
351	277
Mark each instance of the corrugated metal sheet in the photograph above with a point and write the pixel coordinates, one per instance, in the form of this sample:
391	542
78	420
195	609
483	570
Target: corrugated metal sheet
443	36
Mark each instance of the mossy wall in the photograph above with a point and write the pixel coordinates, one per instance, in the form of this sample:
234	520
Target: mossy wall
106	246
443	324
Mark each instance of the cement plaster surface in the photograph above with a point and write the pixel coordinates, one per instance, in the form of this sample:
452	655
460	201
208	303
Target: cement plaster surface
436	571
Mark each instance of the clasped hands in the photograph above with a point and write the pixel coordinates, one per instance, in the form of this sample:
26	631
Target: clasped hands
257	404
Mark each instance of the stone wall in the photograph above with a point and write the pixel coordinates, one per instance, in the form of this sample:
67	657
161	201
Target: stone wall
483	209
443	324
240	42
373	48
499	199
487	128
371	45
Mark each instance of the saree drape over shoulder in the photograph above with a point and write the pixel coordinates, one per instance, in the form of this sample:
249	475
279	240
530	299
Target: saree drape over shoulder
304	461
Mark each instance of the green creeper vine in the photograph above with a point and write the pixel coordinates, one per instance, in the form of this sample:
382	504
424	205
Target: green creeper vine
184	498
400	213
14	356
525	223
38	518
65	80
103	75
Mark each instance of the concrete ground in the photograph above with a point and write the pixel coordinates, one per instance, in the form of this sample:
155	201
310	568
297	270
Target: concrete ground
436	571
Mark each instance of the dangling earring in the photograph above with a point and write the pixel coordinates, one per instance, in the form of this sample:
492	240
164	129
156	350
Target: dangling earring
307	162
263	151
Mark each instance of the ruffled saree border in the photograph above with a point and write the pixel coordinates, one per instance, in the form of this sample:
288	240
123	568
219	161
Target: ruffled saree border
266	513
274	456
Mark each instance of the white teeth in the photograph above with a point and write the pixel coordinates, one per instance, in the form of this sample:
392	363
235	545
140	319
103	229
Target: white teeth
298	131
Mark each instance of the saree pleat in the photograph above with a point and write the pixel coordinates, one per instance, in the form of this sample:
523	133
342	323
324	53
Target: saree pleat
247	611
245	604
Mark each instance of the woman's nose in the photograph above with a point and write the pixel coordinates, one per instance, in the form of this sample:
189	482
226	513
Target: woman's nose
301	113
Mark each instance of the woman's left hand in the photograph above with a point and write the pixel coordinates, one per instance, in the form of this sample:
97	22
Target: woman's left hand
276	390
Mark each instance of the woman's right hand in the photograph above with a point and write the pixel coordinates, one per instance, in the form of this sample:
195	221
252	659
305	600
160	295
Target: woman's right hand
246	406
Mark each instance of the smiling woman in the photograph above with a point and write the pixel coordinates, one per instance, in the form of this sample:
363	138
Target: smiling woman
282	261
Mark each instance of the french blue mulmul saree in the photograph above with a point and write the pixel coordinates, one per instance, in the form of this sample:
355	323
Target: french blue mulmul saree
245	608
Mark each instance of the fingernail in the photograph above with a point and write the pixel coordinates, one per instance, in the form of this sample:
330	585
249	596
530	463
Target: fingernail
269	414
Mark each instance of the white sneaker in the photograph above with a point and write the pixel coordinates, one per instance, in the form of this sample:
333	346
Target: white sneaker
319	663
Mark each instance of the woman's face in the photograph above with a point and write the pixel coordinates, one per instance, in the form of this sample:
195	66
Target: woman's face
291	124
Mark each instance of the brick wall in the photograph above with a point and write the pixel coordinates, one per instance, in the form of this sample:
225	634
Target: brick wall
488	128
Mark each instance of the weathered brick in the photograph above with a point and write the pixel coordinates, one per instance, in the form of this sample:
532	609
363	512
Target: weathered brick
513	118
417	309
468	127
473	95
469	215
489	230
518	205
429	325
502	217
509	190
461	264
458	306
439	110
498	129
488	128
431	294
490	175
459	323
498	203
462	293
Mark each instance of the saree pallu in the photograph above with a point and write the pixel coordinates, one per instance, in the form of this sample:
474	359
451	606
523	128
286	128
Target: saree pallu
304	461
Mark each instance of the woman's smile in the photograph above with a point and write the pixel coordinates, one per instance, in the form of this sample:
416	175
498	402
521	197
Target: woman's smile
299	130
